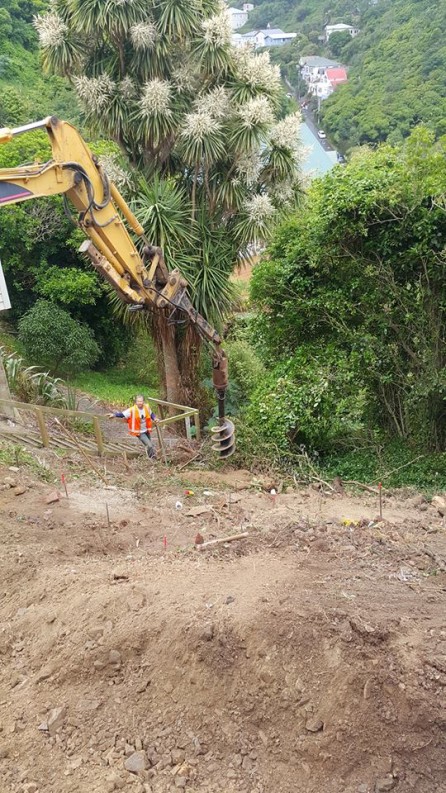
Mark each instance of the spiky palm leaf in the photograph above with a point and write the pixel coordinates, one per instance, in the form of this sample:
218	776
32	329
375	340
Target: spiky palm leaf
164	210
108	16
279	165
179	19
212	290
202	140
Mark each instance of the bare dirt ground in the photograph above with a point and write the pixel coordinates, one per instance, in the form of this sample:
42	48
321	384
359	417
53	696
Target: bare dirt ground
308	658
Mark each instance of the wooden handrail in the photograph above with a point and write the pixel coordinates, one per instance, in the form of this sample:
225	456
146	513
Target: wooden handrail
96	418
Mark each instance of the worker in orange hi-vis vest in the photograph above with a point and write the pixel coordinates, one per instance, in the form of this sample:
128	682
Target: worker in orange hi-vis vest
139	419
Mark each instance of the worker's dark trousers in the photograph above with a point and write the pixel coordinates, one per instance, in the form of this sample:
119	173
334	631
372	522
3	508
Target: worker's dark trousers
147	441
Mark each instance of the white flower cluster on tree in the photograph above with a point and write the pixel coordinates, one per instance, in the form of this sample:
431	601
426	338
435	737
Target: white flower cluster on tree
185	78
285	134
94	92
282	193
257	70
143	35
216	102
249	166
51	30
217	29
260	208
115	172
256	112
127	88
198	126
155	99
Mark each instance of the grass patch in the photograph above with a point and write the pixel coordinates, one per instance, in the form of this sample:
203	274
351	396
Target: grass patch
13	454
395	465
117	387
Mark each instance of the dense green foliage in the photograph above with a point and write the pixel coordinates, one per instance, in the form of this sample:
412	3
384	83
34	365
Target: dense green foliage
396	64
52	338
307	16
396	77
25	93
351	306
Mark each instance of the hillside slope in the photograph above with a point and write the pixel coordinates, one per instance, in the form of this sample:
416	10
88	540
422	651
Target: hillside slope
397	73
25	93
396	64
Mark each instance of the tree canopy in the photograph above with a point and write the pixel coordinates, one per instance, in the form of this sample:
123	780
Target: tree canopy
396	63
351	301
396	75
197	118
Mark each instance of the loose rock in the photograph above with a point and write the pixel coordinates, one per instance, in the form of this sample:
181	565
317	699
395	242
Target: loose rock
19	491
136	763
314	725
55	719
52	497
385	783
208	632
440	505
178	756
114	657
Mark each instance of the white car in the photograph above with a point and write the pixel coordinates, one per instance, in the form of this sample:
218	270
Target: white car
321	134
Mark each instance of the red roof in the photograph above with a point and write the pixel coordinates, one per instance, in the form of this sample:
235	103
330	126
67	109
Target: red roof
337	76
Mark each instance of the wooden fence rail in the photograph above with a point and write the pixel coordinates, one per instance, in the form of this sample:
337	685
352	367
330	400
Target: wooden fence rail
41	411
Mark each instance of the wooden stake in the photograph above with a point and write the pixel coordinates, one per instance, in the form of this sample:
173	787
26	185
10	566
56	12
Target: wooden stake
161	443
380	488
64	484
108	514
81	450
231	538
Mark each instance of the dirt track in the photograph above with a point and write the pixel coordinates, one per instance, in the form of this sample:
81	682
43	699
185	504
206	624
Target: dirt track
310	658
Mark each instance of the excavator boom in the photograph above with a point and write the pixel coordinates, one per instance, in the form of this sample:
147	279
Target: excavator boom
141	280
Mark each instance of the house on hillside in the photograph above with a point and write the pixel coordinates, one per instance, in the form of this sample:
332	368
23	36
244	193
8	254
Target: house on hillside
328	82
268	37
238	18
322	75
340	28
312	67
248	7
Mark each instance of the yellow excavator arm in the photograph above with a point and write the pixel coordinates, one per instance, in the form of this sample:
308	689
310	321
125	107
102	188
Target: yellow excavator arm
143	281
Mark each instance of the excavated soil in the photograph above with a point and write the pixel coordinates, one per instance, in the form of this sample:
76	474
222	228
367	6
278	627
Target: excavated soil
309	657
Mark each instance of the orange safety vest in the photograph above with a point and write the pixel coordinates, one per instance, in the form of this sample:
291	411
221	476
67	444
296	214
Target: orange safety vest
134	420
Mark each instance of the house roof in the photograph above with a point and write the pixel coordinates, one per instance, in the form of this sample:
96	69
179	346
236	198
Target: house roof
266	32
281	35
339	26
315	61
236	11
336	76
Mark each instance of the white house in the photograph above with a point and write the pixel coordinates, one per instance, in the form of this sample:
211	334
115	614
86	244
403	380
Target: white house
248	7
238	18
268	37
340	28
313	67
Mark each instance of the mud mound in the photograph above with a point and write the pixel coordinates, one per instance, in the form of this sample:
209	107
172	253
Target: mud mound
310	658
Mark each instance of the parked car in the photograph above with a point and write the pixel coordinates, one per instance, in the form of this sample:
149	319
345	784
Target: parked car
340	158
321	134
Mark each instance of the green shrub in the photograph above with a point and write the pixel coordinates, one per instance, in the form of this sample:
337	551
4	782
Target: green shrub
51	337
246	369
315	399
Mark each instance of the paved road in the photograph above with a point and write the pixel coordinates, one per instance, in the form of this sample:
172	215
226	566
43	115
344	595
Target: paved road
308	117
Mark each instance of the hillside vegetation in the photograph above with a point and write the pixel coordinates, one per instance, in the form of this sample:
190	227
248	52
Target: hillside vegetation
396	64
397	75
25	93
